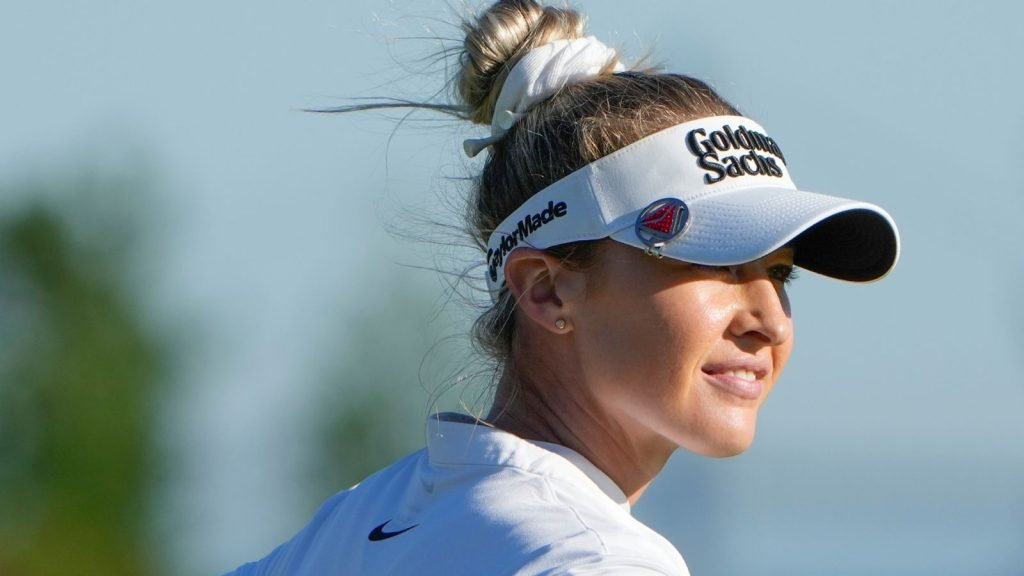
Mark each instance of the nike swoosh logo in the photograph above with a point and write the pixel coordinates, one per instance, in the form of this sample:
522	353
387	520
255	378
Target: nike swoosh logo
379	534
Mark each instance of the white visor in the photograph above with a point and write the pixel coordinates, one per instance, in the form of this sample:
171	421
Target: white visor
714	191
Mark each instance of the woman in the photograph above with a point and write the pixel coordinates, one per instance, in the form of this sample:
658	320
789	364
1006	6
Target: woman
638	237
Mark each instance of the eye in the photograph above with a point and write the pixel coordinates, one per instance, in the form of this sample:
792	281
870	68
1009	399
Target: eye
784	273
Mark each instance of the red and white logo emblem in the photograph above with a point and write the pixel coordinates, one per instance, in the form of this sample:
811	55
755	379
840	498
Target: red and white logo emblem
662	221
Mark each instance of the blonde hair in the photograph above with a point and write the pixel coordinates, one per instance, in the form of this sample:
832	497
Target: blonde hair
578	125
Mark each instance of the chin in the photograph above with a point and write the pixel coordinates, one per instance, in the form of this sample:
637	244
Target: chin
725	444
729	450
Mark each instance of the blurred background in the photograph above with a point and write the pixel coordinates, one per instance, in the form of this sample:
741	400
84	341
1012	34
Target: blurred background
216	309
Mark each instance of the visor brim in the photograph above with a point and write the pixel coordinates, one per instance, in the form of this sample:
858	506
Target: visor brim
832	236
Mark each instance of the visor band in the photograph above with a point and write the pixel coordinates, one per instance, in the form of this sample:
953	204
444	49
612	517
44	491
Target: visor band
730	176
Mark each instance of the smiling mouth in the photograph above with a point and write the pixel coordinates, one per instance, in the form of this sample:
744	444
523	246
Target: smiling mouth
741	382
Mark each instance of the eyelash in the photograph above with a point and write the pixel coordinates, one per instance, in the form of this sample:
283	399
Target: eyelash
784	273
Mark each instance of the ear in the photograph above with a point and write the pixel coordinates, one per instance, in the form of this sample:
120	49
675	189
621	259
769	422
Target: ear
544	290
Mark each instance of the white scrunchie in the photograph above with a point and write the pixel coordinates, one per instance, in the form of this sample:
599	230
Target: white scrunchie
538	75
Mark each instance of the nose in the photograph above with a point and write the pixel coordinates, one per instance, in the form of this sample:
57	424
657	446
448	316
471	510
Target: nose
763	311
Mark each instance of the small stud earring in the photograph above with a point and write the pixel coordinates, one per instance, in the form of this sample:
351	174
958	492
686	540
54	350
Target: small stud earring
560	324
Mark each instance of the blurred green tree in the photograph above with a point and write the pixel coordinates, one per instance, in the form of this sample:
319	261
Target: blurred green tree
78	374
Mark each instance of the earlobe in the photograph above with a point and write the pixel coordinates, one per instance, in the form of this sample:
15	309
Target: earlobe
544	290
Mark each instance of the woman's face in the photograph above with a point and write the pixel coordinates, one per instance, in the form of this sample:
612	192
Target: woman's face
680	354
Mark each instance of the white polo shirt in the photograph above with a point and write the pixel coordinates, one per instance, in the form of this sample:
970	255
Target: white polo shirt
477	500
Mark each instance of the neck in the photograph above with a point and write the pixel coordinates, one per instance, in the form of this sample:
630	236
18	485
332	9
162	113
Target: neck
556	411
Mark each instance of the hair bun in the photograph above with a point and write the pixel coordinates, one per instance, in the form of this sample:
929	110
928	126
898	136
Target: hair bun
496	41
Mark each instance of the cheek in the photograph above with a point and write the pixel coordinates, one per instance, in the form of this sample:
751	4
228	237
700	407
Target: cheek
628	355
655	352
618	345
690	324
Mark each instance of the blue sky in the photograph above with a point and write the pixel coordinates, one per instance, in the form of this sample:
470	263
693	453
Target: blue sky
891	446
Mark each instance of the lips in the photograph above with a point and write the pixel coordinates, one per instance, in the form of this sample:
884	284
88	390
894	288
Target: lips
744	379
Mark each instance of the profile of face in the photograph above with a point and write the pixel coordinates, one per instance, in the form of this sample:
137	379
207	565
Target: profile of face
681	354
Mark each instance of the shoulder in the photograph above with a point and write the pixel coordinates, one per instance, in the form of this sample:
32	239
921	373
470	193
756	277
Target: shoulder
501	507
550	519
